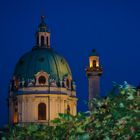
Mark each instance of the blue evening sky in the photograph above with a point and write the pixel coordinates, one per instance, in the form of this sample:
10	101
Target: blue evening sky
112	27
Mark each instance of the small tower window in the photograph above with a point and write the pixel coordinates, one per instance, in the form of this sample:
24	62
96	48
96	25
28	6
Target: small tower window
94	63
42	111
42	41
47	40
42	80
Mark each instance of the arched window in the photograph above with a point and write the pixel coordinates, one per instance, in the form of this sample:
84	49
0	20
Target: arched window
15	120
94	63
42	111
42	41
67	83
68	109
47	41
15	117
42	80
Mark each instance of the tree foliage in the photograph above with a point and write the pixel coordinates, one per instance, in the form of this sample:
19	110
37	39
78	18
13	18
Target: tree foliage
116	117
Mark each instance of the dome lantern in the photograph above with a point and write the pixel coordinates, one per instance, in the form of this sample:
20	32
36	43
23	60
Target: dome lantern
43	35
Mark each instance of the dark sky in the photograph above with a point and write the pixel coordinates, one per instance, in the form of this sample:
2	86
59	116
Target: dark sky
112	27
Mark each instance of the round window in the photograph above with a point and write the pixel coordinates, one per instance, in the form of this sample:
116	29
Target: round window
42	80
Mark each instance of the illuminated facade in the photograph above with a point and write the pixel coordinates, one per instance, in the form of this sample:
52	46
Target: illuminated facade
94	71
42	84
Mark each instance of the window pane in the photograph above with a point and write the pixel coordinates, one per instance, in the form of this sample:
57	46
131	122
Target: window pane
42	111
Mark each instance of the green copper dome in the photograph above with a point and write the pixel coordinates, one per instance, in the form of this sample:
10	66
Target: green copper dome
42	59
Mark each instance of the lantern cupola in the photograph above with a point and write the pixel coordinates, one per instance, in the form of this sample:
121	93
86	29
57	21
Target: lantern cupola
43	35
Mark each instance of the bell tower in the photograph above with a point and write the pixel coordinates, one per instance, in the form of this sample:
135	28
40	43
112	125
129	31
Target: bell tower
93	72
43	35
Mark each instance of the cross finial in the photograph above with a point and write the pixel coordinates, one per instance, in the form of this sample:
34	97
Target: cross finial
42	18
93	50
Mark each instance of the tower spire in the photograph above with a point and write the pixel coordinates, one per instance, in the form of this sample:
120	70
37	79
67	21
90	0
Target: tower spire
43	35
94	71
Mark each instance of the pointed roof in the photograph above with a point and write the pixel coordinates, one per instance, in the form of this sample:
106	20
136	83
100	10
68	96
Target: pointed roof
43	26
94	53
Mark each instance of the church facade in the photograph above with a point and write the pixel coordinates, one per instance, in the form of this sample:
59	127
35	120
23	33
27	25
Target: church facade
42	85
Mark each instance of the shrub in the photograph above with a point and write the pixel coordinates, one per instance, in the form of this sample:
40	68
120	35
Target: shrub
116	117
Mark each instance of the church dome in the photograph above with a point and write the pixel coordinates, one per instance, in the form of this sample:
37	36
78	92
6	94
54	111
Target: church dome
42	59
42	84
